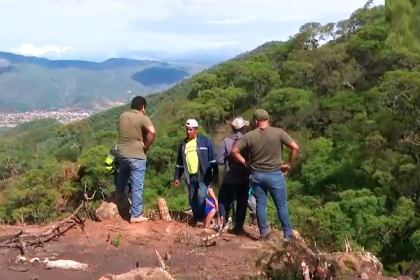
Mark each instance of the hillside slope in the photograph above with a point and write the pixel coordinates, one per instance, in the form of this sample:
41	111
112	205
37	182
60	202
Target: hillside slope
31	83
352	103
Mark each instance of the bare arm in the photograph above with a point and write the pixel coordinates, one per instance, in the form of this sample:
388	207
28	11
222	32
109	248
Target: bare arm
150	137
291	144
150	133
294	150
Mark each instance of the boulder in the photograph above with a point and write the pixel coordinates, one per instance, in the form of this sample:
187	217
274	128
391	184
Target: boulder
113	207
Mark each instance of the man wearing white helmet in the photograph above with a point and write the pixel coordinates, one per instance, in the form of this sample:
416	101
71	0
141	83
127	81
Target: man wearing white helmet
196	160
235	179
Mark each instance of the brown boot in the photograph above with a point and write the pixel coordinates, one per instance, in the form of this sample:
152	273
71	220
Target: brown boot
138	219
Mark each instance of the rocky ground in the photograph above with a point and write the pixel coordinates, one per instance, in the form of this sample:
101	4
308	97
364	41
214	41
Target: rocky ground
116	247
109	249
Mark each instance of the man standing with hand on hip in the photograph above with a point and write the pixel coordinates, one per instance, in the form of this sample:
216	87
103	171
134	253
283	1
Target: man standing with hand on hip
265	147
136	136
196	160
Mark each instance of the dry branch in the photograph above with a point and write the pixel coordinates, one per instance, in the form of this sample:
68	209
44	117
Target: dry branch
24	238
160	260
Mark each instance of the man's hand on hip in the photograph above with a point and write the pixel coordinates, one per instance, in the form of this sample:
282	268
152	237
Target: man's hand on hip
285	168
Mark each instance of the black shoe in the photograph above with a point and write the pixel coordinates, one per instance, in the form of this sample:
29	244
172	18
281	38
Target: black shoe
238	231
265	237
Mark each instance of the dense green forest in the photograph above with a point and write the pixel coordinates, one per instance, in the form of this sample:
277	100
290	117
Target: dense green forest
348	92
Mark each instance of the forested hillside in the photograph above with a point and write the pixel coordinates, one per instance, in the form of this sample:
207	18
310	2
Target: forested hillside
32	83
353	105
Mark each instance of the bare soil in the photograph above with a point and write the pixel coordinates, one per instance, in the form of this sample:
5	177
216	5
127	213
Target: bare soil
233	257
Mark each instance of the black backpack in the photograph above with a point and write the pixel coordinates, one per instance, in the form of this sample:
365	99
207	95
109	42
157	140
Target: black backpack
237	169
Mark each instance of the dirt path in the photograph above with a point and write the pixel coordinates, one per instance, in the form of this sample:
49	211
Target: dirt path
232	258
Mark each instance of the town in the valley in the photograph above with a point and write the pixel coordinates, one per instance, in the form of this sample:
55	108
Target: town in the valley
63	116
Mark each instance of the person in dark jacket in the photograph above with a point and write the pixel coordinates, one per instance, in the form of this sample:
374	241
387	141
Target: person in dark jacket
235	180
196	160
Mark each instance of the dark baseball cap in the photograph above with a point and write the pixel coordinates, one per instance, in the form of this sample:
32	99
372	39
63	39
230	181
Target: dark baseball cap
261	115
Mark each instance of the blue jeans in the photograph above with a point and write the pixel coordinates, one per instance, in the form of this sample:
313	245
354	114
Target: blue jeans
135	170
197	193
274	183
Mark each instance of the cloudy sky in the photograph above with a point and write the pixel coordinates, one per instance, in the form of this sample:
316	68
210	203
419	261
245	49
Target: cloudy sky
111	27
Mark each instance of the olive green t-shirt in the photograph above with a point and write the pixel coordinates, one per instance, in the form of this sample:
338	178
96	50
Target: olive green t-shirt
132	134
265	147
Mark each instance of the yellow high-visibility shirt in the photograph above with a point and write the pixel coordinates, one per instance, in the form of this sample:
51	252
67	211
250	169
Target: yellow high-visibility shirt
191	156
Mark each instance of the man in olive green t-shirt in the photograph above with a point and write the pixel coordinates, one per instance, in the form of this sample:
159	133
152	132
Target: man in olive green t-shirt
265	148
136	136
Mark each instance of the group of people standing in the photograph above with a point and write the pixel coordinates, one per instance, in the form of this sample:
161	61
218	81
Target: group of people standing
253	164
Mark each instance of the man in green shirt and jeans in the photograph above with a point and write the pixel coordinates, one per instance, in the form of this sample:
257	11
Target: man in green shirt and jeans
265	147
136	136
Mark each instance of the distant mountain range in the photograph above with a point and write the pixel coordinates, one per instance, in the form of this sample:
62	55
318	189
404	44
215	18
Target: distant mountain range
206	57
32	83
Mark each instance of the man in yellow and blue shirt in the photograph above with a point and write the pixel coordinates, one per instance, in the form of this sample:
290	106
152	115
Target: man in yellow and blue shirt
196	160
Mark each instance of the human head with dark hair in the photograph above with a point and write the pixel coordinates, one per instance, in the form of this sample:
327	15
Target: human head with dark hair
139	103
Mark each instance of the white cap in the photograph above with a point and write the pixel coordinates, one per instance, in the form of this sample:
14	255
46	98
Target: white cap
238	123
191	123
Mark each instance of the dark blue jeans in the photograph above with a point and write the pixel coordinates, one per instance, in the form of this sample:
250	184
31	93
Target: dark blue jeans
135	170
274	183
227	194
197	193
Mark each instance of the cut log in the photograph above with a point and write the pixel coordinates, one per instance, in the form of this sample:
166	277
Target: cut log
163	209
66	264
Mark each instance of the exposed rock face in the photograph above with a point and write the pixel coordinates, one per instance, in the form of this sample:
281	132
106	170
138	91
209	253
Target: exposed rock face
141	273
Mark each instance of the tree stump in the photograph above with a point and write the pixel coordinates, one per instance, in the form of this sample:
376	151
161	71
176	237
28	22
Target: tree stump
163	209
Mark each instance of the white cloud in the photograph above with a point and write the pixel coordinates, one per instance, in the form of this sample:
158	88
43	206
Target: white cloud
29	49
230	21
7	2
112	26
